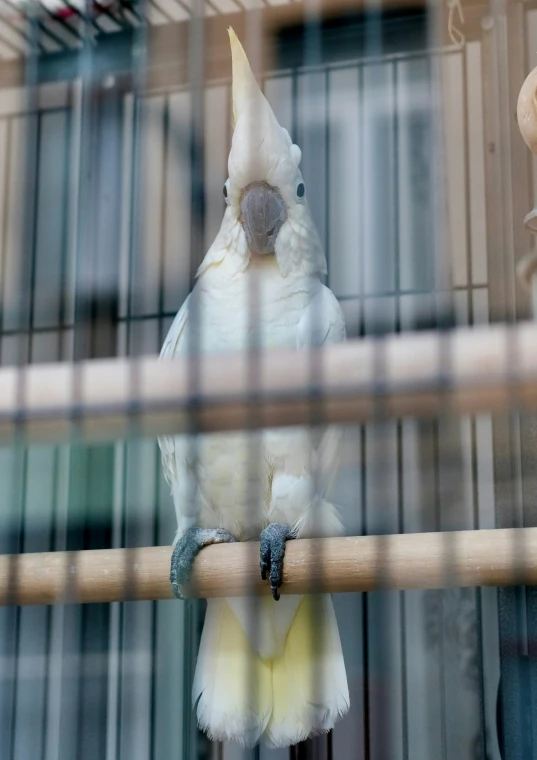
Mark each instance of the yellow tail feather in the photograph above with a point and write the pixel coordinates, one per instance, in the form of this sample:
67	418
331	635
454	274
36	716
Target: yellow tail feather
309	682
232	685
243	698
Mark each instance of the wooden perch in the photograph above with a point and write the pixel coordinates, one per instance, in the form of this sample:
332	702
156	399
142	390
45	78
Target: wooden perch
490	369
410	561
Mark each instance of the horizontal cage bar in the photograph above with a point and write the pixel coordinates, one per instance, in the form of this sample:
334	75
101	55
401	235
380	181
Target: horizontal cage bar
424	374
362	563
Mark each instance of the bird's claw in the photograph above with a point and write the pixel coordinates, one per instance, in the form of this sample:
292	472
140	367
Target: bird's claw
272	552
186	550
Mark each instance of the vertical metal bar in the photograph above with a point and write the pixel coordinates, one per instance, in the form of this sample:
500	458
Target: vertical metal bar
131	118
442	663
64	283
82	339
26	355
379	697
313	59
527	423
499	224
528	434
5	211
450	493
193	741
441	275
362	465
154	610
327	171
19	497
365	606
165	161
95	335
56	648
50	618
254	347
402	597
25	319
399	429
396	209
134	637
157	496
441	309
478	600
466	154
473	438
114	685
120	525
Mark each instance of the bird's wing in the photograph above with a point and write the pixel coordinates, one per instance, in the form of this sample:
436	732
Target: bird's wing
305	460
178	461
322	321
176	333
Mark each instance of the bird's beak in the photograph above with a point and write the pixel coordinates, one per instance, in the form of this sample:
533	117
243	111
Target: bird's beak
263	212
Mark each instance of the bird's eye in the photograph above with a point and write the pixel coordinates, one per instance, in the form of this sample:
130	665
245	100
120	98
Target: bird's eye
225	191
300	190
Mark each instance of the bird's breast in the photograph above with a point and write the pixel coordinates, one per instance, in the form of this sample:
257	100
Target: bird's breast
249	310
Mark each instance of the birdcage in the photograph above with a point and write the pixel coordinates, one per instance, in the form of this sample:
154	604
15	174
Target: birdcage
115	128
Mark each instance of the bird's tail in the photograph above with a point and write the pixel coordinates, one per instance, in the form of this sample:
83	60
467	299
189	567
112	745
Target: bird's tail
232	684
244	698
309	683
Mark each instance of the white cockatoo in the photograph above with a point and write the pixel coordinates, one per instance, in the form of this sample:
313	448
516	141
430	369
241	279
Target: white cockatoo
270	669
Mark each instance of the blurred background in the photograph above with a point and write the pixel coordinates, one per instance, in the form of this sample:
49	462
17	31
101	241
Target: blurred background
115	126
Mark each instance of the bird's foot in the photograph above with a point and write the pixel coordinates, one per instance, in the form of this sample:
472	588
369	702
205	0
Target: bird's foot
273	540
186	550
